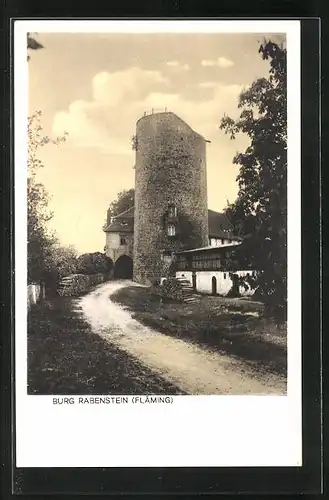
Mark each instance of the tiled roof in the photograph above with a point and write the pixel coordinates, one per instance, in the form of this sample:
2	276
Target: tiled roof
127	213
116	227
211	248
122	223
219	224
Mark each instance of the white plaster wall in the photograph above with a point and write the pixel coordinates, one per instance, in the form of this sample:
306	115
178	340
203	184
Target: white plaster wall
217	242
114	249
224	282
112	241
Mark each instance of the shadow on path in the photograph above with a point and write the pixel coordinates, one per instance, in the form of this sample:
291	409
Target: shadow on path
65	357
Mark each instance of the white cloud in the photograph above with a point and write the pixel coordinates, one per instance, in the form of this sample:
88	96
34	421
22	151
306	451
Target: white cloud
207	85
221	62
205	62
178	65
111	88
107	121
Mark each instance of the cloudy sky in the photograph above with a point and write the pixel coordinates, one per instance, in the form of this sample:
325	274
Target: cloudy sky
95	87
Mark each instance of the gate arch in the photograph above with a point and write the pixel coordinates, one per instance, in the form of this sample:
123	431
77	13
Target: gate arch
123	268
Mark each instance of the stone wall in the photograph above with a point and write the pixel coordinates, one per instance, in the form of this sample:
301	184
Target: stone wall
170	169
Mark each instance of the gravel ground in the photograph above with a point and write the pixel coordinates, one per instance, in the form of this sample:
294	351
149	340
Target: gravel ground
191	368
65	357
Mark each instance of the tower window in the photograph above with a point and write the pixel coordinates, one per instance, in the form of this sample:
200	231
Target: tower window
172	211
123	240
171	230
167	257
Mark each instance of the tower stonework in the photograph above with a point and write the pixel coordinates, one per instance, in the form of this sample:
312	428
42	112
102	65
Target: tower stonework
170	193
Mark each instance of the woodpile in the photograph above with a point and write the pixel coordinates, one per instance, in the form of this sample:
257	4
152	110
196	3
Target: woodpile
78	283
177	289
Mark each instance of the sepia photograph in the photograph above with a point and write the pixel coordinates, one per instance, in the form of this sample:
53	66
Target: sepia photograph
157	243
157	214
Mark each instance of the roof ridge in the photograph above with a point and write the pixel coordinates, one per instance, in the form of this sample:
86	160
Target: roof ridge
124	212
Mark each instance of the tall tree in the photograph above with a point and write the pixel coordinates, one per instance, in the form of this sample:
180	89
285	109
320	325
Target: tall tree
64	262
41	240
261	206
124	201
32	43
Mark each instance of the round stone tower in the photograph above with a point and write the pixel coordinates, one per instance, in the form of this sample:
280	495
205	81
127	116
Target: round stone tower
170	193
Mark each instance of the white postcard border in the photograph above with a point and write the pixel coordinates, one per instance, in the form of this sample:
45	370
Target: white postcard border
193	430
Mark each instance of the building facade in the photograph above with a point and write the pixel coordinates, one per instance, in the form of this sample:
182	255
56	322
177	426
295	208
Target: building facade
120	239
120	242
170	219
213	269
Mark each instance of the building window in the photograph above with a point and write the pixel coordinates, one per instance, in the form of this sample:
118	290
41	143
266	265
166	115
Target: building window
171	230
167	258
172	211
224	276
182	265
123	240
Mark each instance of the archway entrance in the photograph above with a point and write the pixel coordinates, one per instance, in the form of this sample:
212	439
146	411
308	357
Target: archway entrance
214	285
123	268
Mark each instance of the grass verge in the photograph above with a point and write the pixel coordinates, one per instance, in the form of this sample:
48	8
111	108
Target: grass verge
66	357
233	326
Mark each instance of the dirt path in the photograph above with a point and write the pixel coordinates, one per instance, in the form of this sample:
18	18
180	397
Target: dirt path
191	368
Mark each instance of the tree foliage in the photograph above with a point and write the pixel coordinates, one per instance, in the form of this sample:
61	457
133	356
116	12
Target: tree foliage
93	263
124	201
64	261
260	211
41	241
32	44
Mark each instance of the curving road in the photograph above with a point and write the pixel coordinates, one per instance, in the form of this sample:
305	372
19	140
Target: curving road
193	369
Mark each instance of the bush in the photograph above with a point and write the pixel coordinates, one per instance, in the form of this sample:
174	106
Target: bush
171	288
155	281
234	290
